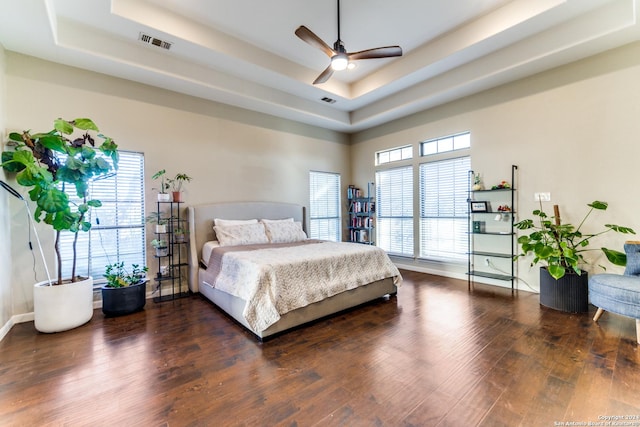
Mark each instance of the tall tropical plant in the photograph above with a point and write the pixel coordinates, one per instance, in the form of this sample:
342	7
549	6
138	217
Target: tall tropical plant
47	163
560	247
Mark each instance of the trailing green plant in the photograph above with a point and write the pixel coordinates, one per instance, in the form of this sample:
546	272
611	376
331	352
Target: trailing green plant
48	162
178	181
560	247
165	183
118	277
156	218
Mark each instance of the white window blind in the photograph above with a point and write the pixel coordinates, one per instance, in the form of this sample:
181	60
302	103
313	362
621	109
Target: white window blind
394	198
324	206
443	209
117	231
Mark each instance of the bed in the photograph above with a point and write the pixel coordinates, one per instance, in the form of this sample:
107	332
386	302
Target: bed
201	227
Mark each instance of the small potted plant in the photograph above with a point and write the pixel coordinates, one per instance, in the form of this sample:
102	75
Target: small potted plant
125	291
161	247
165	184
176	185
559	249
180	235
160	223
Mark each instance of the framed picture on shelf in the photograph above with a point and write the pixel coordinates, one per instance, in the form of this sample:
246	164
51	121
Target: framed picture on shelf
479	206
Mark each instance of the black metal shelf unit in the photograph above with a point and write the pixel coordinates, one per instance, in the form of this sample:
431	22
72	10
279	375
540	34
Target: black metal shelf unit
172	266
492	232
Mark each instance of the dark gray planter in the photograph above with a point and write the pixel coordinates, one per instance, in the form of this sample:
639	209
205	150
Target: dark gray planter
126	300
569	294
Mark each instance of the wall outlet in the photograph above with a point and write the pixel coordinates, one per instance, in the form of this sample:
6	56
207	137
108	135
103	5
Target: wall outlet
542	197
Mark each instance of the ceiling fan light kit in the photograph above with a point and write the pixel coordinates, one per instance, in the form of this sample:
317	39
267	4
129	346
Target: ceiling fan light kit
340	58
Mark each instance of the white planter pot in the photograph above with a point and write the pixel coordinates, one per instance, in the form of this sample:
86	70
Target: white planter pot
164	197
162	251
59	308
161	228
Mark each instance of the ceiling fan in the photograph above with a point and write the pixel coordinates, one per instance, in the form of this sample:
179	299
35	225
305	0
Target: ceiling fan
340	58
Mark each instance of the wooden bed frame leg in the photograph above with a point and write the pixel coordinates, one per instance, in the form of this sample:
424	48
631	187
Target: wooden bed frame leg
598	314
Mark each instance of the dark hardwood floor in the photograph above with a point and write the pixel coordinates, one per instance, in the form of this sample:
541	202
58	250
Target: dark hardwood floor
435	355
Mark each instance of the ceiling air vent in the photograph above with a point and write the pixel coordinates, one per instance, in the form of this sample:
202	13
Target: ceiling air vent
328	100
145	38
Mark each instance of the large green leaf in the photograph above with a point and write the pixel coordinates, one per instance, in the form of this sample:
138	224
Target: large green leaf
615	257
556	271
599	205
63	126
85	124
53	200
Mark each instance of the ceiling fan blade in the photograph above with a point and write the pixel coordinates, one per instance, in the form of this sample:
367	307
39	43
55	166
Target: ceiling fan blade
309	36
378	52
324	76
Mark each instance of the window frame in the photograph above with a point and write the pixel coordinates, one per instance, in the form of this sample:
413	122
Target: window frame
332	215
93	256
396	223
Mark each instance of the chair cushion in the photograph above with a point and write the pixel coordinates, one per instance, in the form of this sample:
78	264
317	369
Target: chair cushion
616	293
632	249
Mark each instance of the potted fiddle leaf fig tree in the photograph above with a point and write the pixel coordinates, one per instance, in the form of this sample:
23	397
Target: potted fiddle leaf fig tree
50	164
559	248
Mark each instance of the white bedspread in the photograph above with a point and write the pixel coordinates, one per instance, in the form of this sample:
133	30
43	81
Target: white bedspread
276	280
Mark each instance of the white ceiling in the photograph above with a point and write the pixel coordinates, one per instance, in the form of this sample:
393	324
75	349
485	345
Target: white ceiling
244	52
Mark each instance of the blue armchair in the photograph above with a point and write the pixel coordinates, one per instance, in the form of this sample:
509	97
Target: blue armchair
618	293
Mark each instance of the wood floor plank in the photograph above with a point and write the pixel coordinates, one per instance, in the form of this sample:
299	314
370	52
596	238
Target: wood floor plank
435	355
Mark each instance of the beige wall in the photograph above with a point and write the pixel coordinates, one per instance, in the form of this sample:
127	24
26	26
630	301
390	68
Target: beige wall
572	131
5	231
232	154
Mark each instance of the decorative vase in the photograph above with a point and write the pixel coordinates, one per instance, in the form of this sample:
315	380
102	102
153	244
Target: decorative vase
125	300
58	308
164	197
570	293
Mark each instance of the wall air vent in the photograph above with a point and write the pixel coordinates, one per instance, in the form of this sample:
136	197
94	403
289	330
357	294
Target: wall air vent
328	100
145	38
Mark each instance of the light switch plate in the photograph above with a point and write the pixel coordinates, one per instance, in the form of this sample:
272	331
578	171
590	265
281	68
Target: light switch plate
542	197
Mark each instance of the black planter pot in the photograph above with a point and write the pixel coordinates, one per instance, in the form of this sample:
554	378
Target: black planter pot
126	300
569	294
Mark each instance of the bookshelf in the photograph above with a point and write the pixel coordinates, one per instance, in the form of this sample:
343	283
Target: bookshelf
361	225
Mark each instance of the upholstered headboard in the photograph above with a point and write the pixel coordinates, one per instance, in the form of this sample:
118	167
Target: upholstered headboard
201	224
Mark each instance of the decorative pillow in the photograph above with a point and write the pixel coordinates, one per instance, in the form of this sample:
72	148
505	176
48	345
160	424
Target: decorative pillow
244	234
276	220
285	232
228	222
632	250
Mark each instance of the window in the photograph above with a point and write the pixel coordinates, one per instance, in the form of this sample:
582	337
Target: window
117	231
394	193
394	155
443	209
447	143
324	206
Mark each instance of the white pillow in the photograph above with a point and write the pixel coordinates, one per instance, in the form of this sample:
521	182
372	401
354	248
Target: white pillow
276	220
228	222
285	232
244	234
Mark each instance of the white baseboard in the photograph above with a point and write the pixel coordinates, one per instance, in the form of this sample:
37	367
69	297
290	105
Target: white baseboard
18	318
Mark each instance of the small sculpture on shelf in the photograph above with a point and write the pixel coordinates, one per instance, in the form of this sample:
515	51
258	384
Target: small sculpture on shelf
477	183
